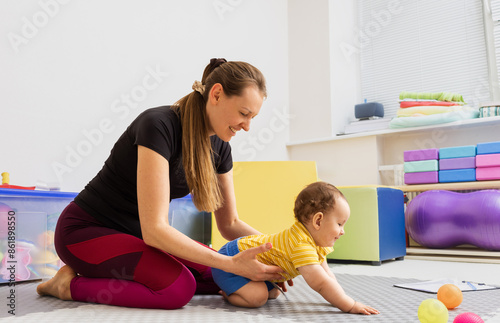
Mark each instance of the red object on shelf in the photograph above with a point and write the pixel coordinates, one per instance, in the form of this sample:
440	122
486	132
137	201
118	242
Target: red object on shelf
17	187
5	183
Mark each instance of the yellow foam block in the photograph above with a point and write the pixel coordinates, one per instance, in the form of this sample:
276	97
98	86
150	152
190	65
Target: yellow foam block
265	194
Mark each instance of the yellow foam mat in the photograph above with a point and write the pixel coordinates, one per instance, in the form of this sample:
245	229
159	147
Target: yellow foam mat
265	193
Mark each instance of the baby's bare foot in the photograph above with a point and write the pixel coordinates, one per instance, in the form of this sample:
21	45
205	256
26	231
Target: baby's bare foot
224	295
274	293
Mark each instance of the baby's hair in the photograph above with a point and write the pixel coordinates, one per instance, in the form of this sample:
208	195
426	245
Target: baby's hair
315	197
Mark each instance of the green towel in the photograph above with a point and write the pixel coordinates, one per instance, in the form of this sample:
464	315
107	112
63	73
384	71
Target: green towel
441	96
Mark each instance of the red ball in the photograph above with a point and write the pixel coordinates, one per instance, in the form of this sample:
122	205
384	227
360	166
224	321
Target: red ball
468	317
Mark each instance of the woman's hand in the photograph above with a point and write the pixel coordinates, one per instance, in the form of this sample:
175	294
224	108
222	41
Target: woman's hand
245	264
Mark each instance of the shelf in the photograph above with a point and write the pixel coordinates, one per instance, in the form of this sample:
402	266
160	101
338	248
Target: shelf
459	186
456	254
461	124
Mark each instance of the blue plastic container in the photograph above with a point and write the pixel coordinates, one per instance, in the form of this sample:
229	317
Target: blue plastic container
27	222
186	218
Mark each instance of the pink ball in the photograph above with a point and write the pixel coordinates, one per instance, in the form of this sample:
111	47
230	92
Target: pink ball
468	317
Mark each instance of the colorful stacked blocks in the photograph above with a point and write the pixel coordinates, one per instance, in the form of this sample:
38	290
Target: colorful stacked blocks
488	161
421	166
453	164
459	157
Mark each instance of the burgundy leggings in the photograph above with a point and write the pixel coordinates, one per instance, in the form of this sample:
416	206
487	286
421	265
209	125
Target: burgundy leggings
120	269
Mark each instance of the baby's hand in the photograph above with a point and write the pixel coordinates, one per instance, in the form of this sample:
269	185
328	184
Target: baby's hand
360	308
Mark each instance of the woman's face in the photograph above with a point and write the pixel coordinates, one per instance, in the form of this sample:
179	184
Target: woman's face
228	115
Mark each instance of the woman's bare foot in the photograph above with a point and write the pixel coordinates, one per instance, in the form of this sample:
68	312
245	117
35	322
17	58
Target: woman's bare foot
58	286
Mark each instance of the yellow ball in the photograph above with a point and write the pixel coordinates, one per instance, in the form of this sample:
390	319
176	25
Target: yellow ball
450	295
432	311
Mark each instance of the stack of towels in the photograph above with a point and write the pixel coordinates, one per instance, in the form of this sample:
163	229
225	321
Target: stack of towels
425	108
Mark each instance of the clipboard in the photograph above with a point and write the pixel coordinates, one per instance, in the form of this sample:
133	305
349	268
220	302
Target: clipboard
432	286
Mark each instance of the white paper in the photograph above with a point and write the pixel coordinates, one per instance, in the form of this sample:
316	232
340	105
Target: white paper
433	286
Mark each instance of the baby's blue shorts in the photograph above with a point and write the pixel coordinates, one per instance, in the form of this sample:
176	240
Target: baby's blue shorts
230	282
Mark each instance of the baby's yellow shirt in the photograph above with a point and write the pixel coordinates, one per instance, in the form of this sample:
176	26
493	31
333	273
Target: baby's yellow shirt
292	248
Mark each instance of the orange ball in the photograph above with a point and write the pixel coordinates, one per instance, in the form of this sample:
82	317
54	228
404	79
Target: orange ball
450	295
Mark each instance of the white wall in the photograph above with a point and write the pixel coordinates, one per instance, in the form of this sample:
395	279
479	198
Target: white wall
324	78
344	62
76	73
309	63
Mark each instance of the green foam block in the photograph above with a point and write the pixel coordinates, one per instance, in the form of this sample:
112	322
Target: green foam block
375	230
421	166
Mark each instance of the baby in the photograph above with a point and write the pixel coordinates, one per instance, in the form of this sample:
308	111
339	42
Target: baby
321	212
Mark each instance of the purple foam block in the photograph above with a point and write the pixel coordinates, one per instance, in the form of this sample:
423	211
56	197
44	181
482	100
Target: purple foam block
457	163
421	178
422	154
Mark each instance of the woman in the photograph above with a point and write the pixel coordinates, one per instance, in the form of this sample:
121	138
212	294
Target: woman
115	237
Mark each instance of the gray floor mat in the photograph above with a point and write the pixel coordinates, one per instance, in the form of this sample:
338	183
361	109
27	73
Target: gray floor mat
304	305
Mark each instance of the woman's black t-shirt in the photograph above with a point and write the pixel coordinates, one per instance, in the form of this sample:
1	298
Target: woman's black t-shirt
111	196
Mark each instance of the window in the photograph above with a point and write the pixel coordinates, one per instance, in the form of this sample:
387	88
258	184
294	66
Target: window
495	17
423	46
